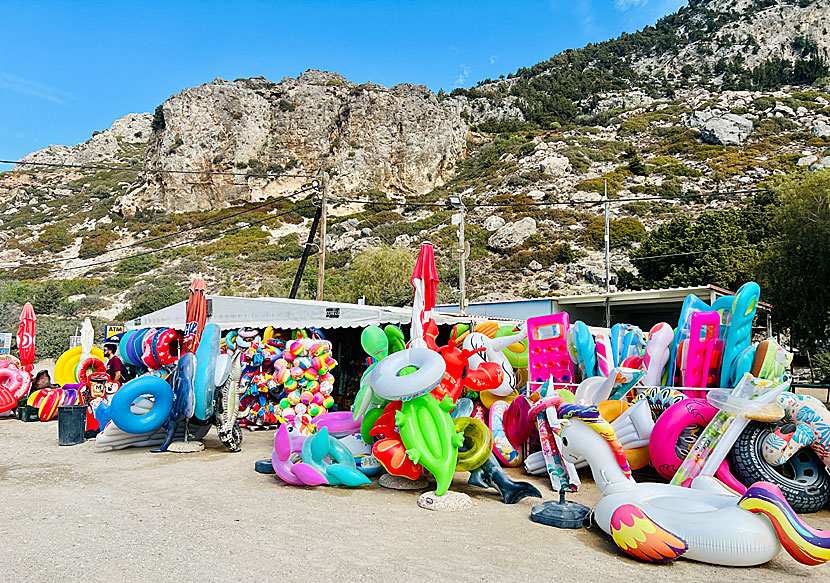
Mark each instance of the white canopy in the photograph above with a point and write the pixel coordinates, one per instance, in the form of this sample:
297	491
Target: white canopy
233	312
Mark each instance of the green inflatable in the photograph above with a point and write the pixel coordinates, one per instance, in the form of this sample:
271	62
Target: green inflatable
428	433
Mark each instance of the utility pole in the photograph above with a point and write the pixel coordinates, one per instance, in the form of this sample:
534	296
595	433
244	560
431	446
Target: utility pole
607	261
321	270
463	253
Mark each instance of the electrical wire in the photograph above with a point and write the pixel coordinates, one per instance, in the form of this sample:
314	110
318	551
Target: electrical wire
173	246
158	170
550	203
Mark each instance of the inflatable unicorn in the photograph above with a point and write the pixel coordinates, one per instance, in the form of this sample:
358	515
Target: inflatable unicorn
660	522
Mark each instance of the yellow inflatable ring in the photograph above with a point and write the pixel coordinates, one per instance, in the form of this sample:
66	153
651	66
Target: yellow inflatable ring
68	361
638	457
478	443
487	398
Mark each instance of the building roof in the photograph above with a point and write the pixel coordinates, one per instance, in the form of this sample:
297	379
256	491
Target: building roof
629	297
235	312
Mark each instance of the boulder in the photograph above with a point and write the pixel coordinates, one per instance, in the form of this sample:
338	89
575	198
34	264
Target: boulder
821	164
512	234
494	223
547	161
402	241
807	160
727	130
821	130
535	265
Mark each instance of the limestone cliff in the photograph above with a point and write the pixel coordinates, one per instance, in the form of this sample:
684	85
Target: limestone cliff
399	140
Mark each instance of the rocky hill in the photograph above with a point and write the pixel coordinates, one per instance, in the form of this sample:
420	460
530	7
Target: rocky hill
722	96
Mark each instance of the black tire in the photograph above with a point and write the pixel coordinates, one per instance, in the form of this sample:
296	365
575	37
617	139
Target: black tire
803	479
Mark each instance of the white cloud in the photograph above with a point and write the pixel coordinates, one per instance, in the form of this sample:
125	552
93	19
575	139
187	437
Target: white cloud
493	59
624	5
462	76
30	88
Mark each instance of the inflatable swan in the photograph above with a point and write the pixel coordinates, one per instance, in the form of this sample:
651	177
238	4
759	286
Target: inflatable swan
660	522
493	353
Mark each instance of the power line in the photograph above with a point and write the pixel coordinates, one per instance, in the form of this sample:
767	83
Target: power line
158	170
175	245
548	203
145	242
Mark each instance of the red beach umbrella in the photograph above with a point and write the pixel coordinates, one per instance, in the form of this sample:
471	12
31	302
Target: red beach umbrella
26	337
425	281
196	315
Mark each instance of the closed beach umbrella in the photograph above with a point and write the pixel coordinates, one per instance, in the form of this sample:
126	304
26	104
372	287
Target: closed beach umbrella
425	281
87	339
196	315
26	337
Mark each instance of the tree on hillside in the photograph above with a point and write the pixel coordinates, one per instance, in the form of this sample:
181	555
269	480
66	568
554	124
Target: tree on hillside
798	267
721	248
382	275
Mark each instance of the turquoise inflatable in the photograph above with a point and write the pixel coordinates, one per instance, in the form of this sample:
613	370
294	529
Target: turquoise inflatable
205	380
122	346
120	407
740	330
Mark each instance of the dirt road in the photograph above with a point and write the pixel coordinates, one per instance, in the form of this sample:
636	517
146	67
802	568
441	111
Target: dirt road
77	514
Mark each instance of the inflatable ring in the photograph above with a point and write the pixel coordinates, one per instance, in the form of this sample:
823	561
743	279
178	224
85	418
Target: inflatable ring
90	366
518	426
122	347
488	398
668	431
388	382
147	348
11	379
478	443
167	346
120	407
230	339
68	362
11	358
134	347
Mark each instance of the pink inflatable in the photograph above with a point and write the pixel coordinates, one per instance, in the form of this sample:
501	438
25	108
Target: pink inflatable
670	431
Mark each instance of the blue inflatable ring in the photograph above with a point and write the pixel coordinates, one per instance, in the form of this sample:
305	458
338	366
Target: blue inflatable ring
134	348
122	346
128	421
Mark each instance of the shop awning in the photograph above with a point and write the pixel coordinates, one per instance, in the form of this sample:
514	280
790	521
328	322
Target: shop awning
234	312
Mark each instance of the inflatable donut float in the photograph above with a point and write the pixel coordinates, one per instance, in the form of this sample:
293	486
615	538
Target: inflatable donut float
67	364
147	348
166	346
680	426
88	367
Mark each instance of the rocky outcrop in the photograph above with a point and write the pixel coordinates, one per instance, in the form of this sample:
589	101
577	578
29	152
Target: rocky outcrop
128	134
753	30
546	160
512	234
398	140
727	130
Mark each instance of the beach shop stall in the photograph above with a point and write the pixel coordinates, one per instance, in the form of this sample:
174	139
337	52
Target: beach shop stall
340	323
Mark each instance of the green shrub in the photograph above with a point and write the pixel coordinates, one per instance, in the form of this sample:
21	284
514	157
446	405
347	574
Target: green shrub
148	298
98	241
53	238
138	264
621	232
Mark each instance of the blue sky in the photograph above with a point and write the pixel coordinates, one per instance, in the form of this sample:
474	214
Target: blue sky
69	68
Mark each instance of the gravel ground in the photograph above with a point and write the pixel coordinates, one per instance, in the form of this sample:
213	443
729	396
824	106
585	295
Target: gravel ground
77	514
